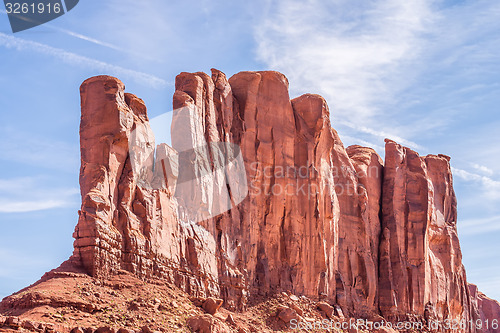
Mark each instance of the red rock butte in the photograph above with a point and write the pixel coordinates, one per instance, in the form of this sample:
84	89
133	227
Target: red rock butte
370	238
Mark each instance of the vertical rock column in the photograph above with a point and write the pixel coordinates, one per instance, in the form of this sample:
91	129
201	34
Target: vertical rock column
315	215
264	234
421	271
104	129
202	133
362	235
129	216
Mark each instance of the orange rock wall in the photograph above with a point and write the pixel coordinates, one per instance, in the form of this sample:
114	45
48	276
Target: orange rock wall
319	220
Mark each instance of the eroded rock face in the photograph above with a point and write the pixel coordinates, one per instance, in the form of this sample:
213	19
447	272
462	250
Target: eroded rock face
309	216
359	230
421	262
124	225
287	230
486	311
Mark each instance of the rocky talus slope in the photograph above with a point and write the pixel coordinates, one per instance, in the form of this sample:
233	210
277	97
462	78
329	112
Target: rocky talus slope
256	217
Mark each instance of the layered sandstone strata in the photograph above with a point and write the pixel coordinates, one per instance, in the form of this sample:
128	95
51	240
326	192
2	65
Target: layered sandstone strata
123	224
309	216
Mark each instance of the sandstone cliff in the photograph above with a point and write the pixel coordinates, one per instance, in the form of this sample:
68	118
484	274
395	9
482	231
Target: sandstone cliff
421	263
308	216
315	219
485	310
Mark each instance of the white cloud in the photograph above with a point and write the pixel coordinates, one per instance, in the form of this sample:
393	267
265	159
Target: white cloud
356	54
78	60
98	42
483	169
18	183
381	134
10	206
350	140
479	226
28	194
398	69
86	38
491	186
77	35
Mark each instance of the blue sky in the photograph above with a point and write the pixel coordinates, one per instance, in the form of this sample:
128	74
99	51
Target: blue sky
424	73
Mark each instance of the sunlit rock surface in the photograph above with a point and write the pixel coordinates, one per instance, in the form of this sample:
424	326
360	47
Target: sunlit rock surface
258	195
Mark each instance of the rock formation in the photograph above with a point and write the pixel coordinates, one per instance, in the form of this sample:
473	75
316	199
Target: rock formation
486	310
308	216
421	263
123	225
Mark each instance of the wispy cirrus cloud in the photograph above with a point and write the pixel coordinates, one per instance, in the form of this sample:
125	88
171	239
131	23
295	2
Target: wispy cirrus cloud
351	52
11	206
86	38
479	226
98	42
400	69
350	140
490	186
79	60
29	194
380	134
483	169
75	34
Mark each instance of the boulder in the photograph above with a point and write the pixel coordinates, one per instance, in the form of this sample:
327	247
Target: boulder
79	330
207	324
327	309
211	305
287	314
105	329
12	322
